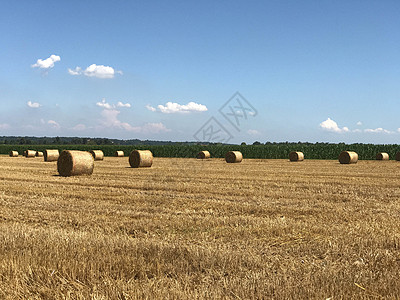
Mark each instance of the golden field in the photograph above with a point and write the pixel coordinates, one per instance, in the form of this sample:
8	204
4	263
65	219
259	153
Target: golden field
189	229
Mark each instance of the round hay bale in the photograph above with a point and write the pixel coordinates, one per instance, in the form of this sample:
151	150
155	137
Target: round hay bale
51	155
39	154
14	154
140	158
348	157
398	156
30	153
97	154
233	157
119	153
203	155
382	156
296	156
74	162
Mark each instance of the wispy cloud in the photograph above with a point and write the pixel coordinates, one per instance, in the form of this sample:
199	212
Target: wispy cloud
47	63
150	108
173	107
110	120
359	123
99	71
378	130
33	104
153	128
79	127
53	124
253	132
332	126
4	126
76	71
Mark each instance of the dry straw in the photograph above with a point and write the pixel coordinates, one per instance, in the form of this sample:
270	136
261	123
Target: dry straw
119	153
51	155
30	153
398	156
39	154
234	157
140	158
296	156
203	155
382	156
13	153
73	162
97	154
348	157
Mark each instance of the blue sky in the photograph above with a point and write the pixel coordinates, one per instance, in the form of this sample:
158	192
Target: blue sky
318	71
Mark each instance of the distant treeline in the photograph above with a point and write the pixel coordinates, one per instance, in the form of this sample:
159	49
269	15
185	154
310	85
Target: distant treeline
29	140
268	151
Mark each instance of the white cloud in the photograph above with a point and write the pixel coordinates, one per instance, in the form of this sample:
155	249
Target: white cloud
94	70
104	104
173	107
330	125
378	130
4	126
107	105
53	124
79	127
357	130
76	71
398	130
253	132
151	108
120	104
46	63
359	123
154	128
33	104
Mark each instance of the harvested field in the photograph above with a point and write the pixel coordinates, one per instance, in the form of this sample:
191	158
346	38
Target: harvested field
188	228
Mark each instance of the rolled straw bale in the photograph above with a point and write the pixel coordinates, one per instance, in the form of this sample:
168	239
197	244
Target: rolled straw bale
39	154
233	157
97	154
74	162
140	158
382	156
296	156
203	155
14	154
348	157
51	155
119	153
30	153
398	156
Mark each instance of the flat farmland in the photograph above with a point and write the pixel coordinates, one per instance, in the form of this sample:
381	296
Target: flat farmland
188	229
